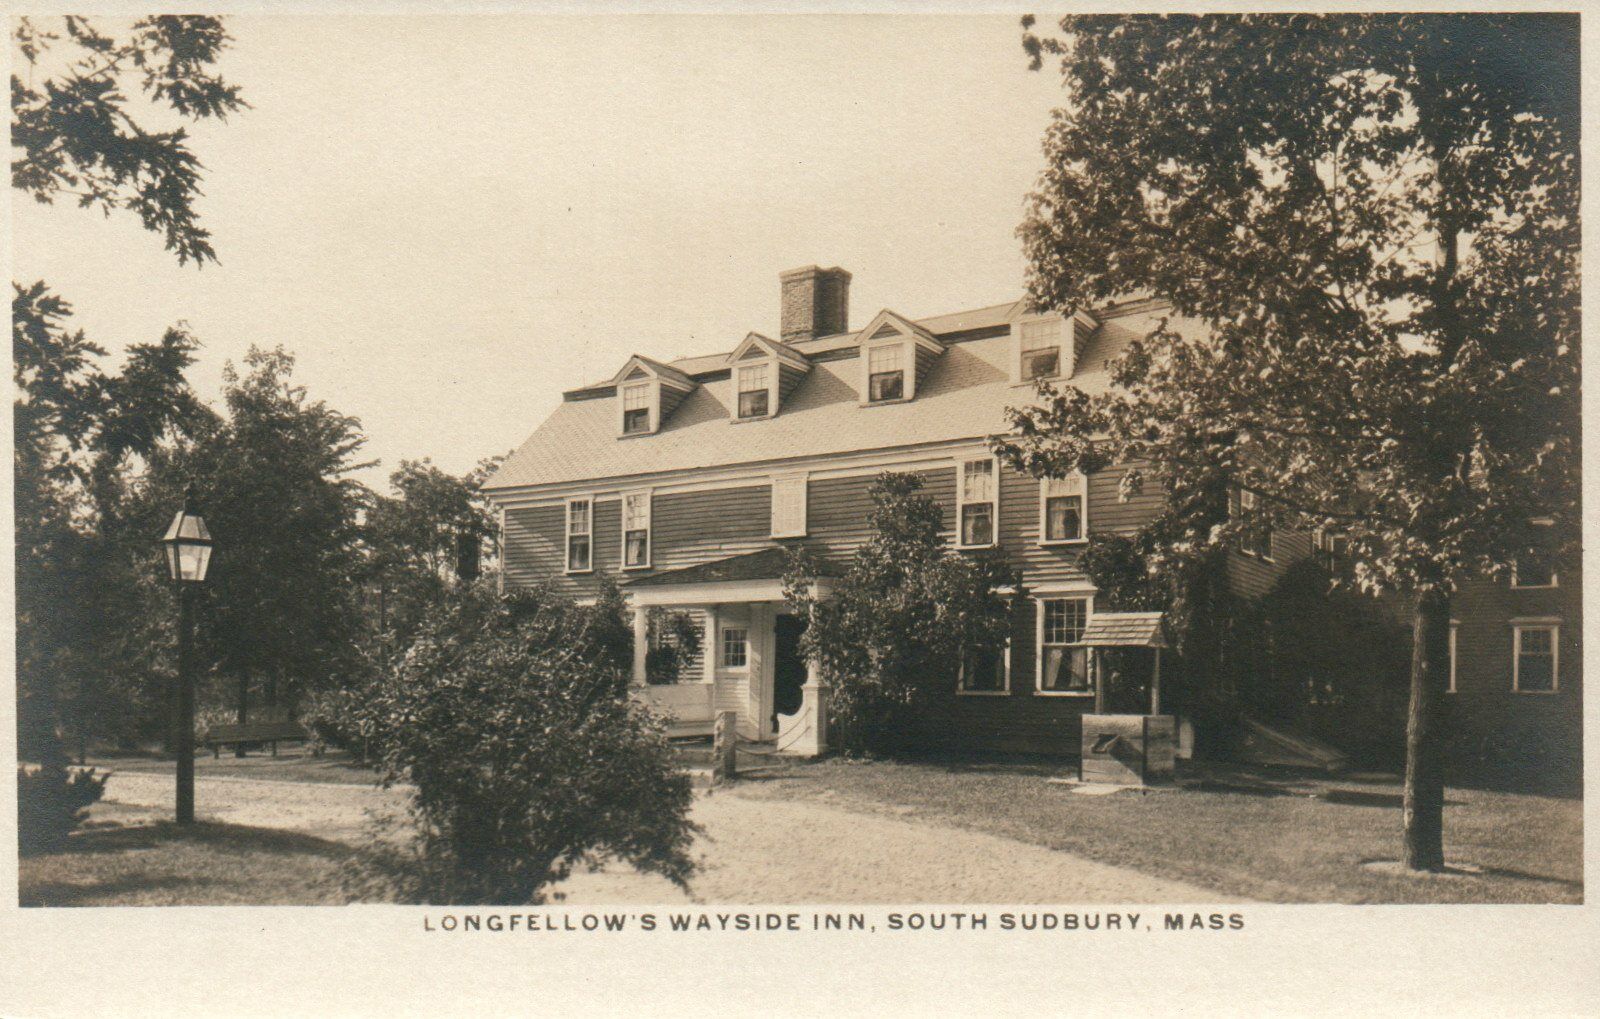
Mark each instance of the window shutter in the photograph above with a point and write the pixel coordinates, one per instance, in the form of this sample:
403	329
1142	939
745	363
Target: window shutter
789	506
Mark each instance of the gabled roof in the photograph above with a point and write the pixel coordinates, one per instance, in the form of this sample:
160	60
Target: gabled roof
964	396
639	366
1123	629
887	323
756	345
767	564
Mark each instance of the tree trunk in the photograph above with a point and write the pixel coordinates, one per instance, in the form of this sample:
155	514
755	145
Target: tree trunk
1424	786
244	707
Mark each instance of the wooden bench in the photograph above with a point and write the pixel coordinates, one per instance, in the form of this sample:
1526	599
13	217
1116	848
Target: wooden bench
254	732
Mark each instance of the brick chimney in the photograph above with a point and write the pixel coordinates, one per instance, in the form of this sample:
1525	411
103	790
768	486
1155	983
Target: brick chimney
816	302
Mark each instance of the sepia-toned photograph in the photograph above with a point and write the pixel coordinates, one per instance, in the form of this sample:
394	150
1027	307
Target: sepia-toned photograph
1111	469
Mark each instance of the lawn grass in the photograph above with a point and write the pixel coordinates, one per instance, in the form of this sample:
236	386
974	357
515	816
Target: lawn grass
1278	842
126	857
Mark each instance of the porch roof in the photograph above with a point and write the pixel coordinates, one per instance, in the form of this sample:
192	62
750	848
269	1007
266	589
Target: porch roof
1124	629
767	564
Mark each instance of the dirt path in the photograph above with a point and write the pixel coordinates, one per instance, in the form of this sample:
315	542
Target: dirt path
753	850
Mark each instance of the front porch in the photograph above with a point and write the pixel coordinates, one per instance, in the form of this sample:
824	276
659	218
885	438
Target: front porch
750	662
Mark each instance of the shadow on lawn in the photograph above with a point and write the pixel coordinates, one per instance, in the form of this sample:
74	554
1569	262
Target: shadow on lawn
118	838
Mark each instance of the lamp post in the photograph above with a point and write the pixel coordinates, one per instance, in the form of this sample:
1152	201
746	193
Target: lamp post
188	547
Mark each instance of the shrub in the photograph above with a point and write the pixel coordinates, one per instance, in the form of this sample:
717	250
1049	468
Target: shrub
892	635
511	717
52	801
674	641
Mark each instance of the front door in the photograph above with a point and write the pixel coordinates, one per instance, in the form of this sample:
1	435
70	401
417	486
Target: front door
788	667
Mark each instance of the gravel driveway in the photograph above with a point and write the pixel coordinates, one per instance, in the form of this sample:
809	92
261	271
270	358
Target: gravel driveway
754	851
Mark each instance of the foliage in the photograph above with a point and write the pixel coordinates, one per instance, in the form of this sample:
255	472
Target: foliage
272	479
674	642
1374	220
52	800
75	126
892	633
511	716
77	428
412	540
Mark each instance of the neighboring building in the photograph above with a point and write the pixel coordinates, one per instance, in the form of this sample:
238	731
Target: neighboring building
686	480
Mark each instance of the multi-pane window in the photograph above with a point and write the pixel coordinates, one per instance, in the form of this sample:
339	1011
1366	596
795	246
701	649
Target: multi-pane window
580	535
1061	508
789	506
735	647
636	530
983	670
1536	567
1063	663
754	396
1537	658
636	409
976	509
886	372
1041	348
1256	537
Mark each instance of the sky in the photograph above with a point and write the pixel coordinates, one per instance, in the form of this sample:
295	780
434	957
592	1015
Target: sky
451	220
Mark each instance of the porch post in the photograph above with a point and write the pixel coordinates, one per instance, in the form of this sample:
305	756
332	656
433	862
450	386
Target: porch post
1096	677
641	643
1155	685
708	658
813	740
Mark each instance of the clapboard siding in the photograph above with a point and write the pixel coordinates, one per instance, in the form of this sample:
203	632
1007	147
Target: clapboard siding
535	547
1486	712
838	509
1252	576
697	527
1019	523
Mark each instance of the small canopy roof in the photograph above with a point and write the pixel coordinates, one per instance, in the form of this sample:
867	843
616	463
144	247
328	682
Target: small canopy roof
1124	629
767	564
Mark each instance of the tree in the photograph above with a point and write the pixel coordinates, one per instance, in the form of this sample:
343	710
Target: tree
511	716
273	480
414	539
1375	221
899	622
76	429
77	131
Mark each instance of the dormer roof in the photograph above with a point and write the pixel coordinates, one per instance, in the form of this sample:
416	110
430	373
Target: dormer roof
757	346
640	367
888	324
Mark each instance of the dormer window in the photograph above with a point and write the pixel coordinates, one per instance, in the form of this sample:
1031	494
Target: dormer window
647	394
1041	349
636	408
755	391
886	373
1047	346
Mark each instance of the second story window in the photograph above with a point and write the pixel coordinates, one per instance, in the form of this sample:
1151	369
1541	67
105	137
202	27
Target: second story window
886	373
1536	567
789	506
636	530
636	409
754	391
977	491
1063	513
580	535
1256	538
1041	349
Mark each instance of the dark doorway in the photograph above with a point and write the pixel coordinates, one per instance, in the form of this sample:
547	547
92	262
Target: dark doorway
788	667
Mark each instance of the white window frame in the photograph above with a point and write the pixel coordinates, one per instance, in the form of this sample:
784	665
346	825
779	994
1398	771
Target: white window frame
1555	575
1517	628
649	529
1244	508
1038	642
1455	627
770	366
567	533
800	484
908	370
652	406
1019	375
961	501
1081	481
1005	669
722	647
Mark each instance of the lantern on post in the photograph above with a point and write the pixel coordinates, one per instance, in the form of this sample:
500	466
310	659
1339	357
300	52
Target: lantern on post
188	547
